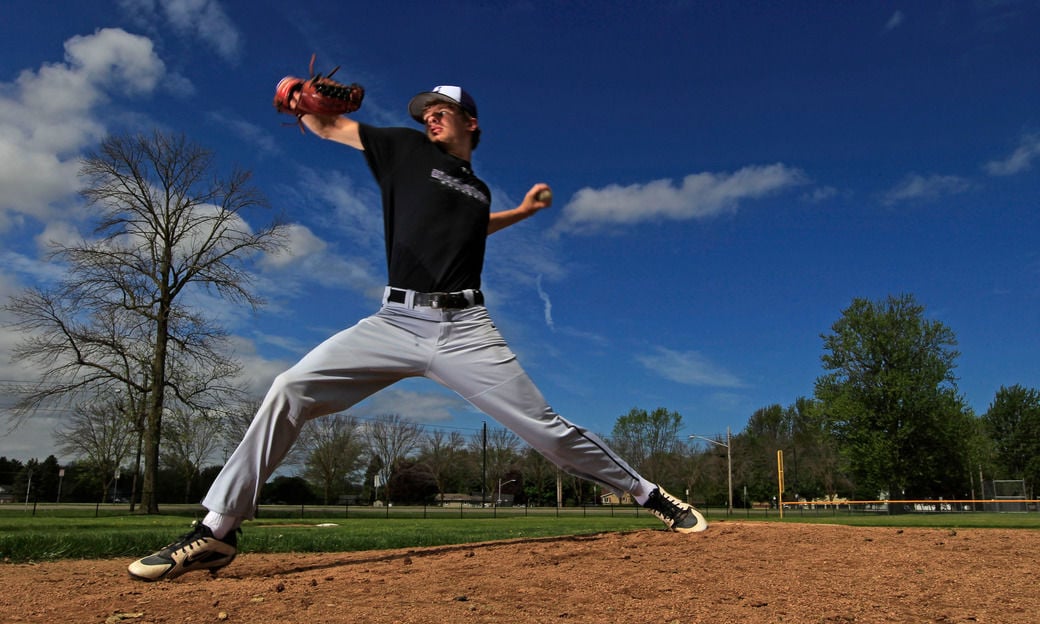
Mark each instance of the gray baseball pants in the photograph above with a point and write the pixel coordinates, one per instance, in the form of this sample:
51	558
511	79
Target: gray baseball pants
458	348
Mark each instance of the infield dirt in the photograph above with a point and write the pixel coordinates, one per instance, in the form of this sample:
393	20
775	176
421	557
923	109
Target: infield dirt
734	572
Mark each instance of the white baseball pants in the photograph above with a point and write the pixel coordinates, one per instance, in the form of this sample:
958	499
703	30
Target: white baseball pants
458	348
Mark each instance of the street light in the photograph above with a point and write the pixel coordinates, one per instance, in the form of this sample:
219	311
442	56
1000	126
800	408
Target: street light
729	460
498	501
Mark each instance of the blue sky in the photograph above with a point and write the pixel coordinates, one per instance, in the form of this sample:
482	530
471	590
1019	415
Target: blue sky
727	178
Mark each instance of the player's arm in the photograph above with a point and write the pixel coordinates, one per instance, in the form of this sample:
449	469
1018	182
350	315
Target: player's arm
334	128
531	204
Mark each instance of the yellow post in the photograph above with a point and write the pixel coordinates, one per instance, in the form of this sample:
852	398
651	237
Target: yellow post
780	481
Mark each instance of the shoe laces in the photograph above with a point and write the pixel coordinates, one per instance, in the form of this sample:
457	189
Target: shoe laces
188	541
665	505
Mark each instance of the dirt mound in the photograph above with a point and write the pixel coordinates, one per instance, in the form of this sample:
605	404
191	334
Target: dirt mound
735	572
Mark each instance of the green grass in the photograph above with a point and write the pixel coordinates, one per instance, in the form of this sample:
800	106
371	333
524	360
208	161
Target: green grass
90	532
71	533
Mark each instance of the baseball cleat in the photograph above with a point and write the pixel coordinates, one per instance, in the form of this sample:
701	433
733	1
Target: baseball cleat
198	550
676	514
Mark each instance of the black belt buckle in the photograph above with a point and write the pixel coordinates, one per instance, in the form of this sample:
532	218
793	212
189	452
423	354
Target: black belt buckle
438	300
448	300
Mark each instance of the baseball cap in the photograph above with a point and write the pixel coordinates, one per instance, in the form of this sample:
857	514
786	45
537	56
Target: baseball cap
442	93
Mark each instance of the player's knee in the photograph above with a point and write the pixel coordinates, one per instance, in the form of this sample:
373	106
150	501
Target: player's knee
290	390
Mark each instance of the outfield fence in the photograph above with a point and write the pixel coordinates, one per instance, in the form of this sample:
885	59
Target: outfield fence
469	511
800	508
922	506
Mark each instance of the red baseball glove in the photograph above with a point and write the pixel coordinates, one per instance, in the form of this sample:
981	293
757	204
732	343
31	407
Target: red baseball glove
319	95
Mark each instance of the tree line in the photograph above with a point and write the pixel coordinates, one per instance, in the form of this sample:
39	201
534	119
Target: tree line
125	345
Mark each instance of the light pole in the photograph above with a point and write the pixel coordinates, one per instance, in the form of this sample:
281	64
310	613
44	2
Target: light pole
498	501
729	460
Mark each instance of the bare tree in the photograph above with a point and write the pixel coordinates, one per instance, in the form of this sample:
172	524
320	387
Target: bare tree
503	454
236	422
98	434
333	450
190	439
167	231
442	454
390	439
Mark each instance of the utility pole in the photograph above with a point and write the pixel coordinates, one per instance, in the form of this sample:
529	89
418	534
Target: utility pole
728	445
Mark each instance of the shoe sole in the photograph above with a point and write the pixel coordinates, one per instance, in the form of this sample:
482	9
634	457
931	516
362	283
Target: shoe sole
168	577
701	526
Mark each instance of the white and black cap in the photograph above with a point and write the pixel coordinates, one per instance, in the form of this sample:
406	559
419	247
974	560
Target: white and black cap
443	93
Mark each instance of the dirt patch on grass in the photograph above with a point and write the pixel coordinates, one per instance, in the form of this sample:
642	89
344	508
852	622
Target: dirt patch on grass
734	572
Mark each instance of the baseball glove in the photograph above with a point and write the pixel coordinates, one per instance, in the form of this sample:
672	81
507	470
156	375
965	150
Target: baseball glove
319	95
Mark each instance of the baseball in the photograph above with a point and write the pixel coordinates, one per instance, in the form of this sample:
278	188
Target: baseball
544	195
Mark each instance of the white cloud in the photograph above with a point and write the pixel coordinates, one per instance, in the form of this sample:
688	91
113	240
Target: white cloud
112	57
918	187
820	194
895	21
308	259
697	196
300	242
689	368
48	116
258	371
61	233
418	406
544	296
32	438
204	20
1020	160
32	270
356	210
247	131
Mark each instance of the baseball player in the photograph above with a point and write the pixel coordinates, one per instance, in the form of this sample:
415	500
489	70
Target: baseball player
432	323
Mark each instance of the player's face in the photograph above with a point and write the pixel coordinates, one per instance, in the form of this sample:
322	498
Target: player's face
447	124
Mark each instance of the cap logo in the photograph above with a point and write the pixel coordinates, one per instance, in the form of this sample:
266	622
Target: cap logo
448	93
454	93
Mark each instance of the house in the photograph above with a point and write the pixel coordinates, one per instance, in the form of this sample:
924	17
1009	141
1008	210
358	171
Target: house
456	498
612	499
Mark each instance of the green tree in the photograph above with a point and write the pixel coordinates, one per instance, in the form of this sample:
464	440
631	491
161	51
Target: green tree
754	452
813	452
332	447
443	456
1012	423
650	442
284	490
9	468
891	398
539	478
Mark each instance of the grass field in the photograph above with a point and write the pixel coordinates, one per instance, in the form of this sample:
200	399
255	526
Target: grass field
51	532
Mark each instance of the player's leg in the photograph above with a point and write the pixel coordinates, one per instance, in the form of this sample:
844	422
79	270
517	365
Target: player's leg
335	375
476	362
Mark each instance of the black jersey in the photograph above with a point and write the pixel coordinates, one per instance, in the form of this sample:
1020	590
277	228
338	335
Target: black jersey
435	211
